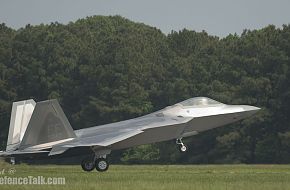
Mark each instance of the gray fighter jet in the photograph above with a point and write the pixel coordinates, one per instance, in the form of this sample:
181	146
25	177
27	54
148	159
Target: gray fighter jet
42	128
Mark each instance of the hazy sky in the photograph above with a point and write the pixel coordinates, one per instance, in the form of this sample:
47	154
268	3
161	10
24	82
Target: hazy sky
217	17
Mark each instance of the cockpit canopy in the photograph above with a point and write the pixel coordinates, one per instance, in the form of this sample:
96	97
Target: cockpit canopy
199	102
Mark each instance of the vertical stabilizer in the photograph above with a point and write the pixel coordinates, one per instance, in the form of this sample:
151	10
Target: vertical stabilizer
20	117
48	125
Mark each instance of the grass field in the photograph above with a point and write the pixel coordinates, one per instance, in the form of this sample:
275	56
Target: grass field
159	177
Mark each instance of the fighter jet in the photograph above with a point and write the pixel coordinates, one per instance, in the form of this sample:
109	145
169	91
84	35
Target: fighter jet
42	129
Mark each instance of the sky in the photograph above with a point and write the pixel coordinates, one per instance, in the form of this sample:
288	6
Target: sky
217	17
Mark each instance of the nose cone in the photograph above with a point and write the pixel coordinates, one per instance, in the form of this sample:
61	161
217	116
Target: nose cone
250	110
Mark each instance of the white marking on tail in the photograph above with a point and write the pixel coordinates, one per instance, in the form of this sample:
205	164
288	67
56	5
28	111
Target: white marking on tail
20	116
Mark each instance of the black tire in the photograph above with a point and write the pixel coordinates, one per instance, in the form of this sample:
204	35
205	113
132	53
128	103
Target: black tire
88	165
102	165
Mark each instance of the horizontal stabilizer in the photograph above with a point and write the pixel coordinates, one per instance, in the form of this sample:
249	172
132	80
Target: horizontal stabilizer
17	152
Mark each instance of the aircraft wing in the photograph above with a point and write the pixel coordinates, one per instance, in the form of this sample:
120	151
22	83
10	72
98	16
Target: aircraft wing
106	135
104	139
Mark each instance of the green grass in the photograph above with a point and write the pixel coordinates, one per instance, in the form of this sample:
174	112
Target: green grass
159	177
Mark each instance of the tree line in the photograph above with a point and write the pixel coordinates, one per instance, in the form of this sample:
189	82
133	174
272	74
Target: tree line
104	69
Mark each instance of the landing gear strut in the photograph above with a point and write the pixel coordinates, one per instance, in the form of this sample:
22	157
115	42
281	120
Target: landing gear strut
182	147
12	160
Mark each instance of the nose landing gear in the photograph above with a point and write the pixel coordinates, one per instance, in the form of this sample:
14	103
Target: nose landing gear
182	147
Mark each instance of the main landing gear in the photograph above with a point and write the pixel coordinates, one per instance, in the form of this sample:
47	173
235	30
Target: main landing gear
102	164
182	147
90	163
